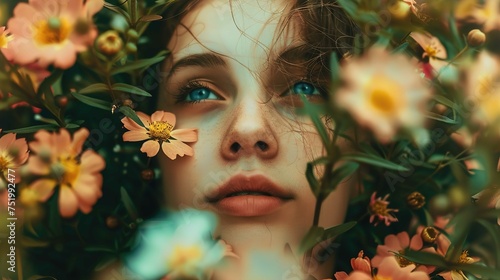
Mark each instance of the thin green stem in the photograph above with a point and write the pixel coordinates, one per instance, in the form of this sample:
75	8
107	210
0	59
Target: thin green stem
133	12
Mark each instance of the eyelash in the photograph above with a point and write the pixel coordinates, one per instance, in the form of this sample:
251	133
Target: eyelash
184	91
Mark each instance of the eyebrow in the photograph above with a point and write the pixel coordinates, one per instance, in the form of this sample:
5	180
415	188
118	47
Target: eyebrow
205	60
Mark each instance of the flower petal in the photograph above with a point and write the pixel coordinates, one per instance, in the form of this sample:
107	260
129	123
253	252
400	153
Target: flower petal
7	140
91	162
185	134
151	148
78	139
135	135
43	188
68	202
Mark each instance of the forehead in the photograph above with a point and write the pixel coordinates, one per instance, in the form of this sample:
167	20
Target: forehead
247	31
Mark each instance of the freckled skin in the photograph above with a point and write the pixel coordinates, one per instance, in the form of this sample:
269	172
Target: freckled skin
244	114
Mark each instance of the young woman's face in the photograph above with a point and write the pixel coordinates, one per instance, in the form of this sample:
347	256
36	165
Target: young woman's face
235	76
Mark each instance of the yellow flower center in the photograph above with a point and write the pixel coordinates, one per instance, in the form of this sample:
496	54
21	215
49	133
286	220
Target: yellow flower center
379	208
376	277
4	40
51	31
431	51
5	162
67	170
160	131
402	261
183	256
464	257
384	95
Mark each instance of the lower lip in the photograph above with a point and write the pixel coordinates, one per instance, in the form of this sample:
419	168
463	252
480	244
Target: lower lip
249	205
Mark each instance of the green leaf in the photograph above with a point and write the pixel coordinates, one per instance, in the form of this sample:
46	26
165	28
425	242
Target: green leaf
117	10
494	232
441	118
130	89
425	258
139	64
335	70
148	18
32	129
129	205
45	86
401	48
478	269
311	179
338	175
313	237
129	112
40	277
312	111
99	87
374	160
338	230
349	6
94	102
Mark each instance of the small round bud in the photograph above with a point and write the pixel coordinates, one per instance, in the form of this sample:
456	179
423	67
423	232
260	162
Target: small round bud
440	205
82	26
109	43
62	101
132	35
131	47
399	10
128	103
415	200
429	234
112	222
458	197
147	174
476	38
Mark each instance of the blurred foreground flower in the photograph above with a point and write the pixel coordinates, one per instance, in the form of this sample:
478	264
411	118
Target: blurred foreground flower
179	247
76	173
378	209
158	130
361	264
384	92
390	269
5	39
52	32
13	154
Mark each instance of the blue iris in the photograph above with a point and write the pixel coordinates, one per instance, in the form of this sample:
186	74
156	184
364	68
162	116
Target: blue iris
201	94
305	88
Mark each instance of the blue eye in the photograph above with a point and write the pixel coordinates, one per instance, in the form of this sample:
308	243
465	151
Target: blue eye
201	94
305	88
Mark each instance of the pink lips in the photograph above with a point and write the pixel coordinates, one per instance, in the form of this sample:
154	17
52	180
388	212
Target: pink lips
248	196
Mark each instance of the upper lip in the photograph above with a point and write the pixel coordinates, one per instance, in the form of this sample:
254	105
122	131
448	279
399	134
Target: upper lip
242	183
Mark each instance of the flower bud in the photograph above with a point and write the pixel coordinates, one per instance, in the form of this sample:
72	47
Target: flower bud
109	43
132	35
62	101
415	200
147	174
440	205
112	222
458	197
131	47
476	38
429	234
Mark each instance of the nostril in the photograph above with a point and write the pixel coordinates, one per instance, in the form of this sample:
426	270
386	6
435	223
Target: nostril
235	147
263	146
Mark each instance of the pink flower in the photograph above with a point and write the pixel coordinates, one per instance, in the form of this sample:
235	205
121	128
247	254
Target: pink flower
384	93
361	263
434	52
378	209
13	154
158	130
52	31
60	159
390	269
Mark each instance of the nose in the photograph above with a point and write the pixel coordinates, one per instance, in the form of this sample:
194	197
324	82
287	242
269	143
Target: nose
250	133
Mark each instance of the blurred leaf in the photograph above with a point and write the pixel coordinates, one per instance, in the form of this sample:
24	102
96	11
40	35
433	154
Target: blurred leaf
139	64
349	6
320	161
494	232
105	263
374	160
32	129
478	269
401	48
150	18
99	249
338	175
425	258
335	70
130	89
32	242
117	10
338	230
311	179
99	87
129	205
441	118
45	86
94	102
40	277
313	237
312	111
462	222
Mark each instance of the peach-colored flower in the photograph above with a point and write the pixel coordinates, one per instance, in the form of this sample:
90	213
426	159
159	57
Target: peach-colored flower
159	131
378	209
76	173
52	31
361	263
13	154
390	269
5	39
458	274
434	51
384	93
